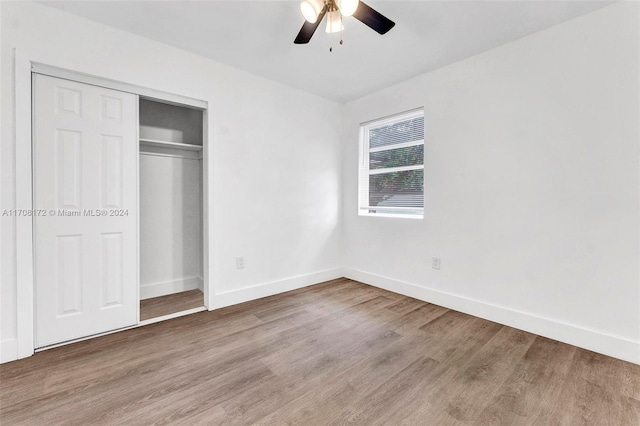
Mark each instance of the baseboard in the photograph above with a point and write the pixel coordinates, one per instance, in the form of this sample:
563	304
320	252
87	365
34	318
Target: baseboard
147	291
269	289
8	350
607	344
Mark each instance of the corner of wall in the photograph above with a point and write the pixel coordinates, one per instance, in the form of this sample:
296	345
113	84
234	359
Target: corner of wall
259	291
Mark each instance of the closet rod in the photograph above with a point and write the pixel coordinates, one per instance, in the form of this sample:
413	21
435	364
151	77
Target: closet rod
153	154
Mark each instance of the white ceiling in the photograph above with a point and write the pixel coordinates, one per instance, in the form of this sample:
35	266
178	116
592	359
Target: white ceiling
257	36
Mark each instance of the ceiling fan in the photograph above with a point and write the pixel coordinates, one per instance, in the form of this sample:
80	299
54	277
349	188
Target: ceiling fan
314	10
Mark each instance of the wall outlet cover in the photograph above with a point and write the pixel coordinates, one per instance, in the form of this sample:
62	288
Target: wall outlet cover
435	262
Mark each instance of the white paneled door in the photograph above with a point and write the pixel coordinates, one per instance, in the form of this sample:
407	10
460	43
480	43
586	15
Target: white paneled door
85	179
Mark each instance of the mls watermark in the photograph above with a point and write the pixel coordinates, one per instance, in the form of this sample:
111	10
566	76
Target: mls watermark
65	213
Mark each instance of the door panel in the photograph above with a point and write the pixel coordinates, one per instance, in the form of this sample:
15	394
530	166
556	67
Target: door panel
69	173
111	270
85	165
68	282
111	185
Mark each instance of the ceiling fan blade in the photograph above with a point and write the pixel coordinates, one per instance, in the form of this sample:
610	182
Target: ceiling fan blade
373	19
308	29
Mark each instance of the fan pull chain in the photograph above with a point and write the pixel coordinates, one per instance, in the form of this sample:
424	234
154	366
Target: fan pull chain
341	34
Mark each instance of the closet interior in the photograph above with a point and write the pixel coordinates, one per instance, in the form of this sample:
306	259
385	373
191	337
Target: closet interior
170	208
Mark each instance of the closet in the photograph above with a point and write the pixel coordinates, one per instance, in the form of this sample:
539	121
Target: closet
118	206
170	208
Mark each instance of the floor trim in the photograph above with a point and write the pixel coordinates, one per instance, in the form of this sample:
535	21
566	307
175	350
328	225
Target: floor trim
607	344
151	290
246	294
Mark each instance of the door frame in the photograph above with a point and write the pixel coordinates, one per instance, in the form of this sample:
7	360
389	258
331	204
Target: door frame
23	67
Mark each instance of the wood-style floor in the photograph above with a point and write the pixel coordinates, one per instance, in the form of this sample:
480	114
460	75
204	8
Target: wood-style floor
338	352
170	304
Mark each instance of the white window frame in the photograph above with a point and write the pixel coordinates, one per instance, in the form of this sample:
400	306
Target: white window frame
364	171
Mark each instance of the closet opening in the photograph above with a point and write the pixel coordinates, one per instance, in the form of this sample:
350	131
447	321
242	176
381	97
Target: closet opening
170	209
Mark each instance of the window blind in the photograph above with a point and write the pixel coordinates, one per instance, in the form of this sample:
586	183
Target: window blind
392	166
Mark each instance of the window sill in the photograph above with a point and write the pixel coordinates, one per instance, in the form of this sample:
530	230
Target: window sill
392	215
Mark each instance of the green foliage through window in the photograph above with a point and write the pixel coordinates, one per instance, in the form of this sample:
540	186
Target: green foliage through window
409	156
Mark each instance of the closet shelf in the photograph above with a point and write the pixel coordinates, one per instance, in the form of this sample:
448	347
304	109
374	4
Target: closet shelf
165	144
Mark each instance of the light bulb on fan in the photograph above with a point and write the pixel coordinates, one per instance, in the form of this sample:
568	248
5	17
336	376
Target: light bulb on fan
311	9
347	7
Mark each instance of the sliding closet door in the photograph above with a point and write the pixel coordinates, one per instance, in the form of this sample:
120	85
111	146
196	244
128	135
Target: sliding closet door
85	167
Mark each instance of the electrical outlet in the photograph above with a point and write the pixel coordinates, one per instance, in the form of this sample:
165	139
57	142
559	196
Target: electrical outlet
239	262
435	262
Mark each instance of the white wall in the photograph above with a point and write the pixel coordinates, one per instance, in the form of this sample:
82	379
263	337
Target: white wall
274	186
170	225
8	325
531	186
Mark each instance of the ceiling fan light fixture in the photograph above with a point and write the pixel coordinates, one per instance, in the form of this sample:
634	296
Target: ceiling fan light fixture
348	7
334	22
332	10
311	9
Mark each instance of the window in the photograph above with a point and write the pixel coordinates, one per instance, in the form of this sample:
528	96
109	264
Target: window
392	166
